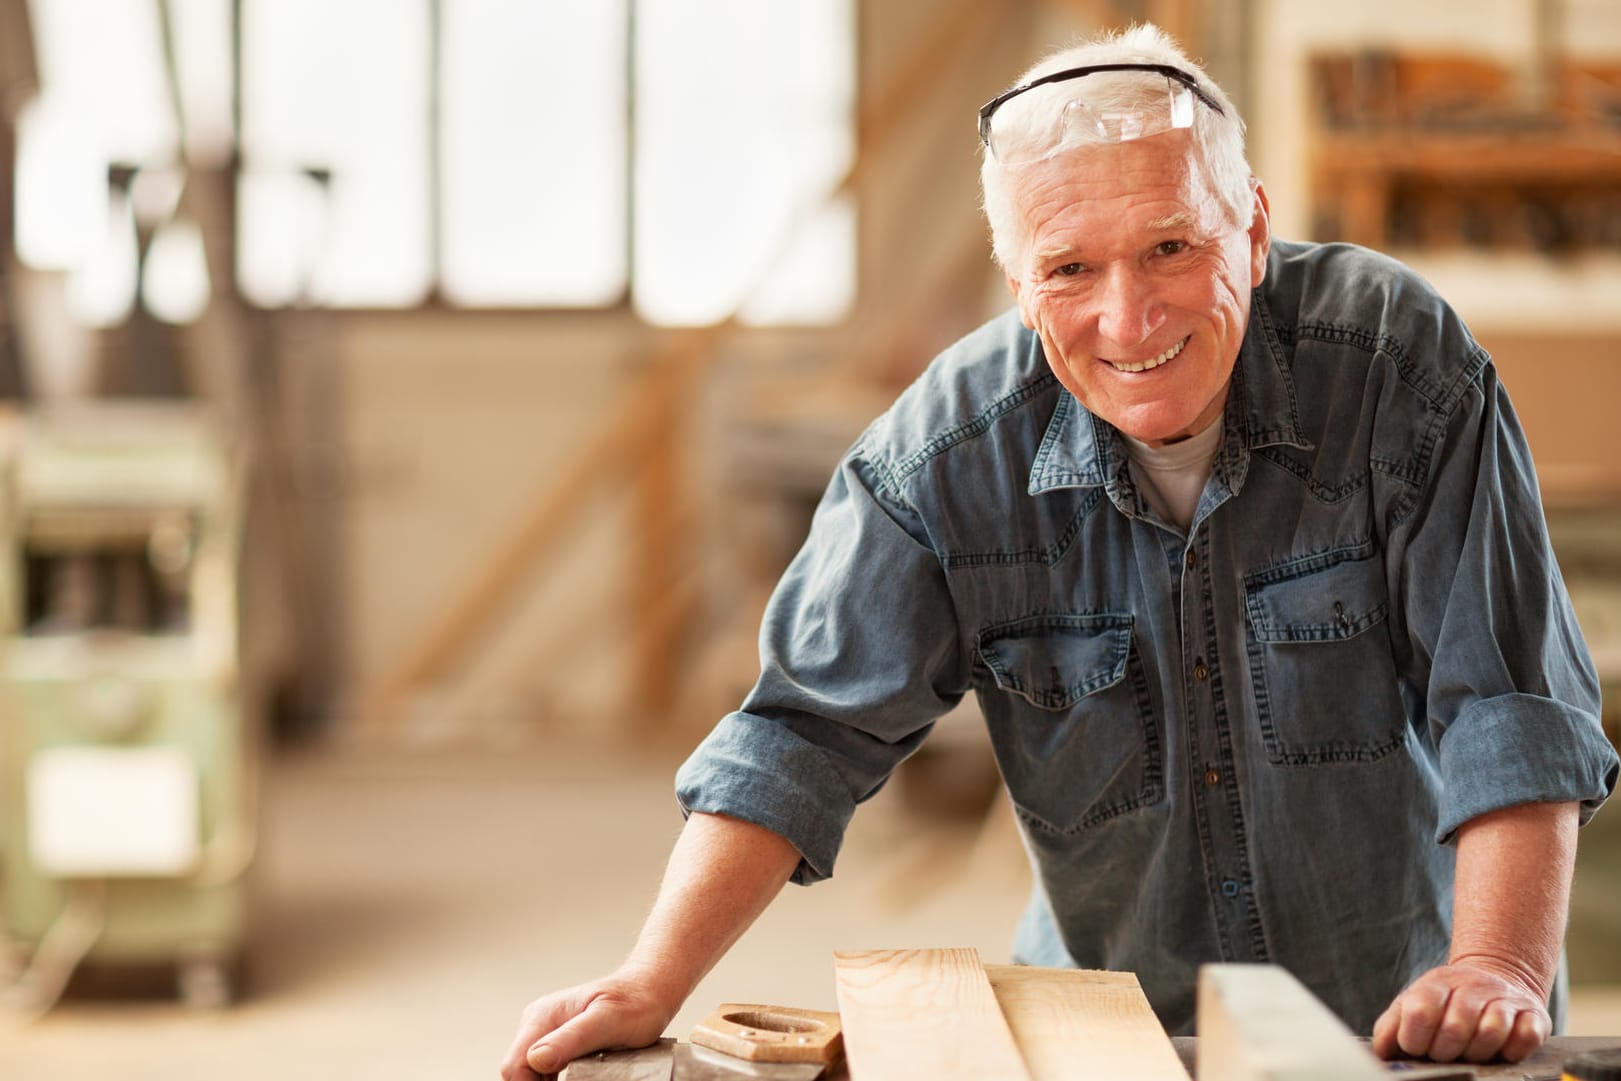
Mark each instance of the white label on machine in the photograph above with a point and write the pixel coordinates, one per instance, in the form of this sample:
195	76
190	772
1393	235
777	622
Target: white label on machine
97	811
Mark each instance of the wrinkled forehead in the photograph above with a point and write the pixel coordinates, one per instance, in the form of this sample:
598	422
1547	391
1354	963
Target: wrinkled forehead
1165	169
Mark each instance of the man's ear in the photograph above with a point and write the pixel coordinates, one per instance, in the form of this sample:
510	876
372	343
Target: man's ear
1260	235
1016	287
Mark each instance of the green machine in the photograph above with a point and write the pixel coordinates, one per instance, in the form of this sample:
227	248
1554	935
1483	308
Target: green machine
127	795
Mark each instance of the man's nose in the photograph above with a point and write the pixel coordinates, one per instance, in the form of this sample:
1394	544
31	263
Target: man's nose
1129	311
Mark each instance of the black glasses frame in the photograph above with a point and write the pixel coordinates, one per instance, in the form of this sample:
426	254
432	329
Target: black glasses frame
989	108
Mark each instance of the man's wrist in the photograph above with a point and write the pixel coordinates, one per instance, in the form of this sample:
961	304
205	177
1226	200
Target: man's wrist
661	982
1513	969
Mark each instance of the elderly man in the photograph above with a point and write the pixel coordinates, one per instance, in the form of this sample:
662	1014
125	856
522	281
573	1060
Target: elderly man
1239	545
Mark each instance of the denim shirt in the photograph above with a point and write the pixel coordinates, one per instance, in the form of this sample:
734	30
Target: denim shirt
1250	742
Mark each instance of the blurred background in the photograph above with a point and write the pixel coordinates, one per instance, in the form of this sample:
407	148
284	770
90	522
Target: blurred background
409	404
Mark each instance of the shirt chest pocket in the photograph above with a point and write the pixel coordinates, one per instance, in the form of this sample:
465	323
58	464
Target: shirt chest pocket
1320	661
1071	719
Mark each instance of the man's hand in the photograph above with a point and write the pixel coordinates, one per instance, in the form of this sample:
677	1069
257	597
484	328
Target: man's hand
1467	1010
722	874
555	1030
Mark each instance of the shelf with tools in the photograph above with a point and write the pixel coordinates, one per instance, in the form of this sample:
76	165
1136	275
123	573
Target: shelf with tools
1435	153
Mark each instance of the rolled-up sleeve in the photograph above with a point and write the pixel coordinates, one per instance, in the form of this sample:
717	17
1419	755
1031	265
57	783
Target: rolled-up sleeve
860	653
1511	696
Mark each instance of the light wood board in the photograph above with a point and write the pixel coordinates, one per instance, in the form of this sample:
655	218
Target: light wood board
912	1014
1080	1025
1259	1023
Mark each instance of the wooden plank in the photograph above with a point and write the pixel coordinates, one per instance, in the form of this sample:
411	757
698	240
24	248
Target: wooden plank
650	1063
923	1013
1259	1023
1084	1025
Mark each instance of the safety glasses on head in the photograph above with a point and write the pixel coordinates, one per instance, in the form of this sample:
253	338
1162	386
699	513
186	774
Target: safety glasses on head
1045	116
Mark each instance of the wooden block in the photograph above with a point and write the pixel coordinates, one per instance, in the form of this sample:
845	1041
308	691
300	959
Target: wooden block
771	1033
1084	1025
1259	1023
910	1014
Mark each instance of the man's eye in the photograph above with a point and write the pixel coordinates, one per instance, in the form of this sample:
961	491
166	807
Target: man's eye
1068	270
1170	247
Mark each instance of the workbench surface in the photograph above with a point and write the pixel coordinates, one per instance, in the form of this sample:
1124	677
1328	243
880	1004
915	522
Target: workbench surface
1542	1066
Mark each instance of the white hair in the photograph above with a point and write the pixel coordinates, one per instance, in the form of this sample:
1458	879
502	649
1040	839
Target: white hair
1218	138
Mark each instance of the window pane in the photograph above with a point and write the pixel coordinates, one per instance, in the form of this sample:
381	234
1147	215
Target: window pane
101	61
202	35
102	100
343	85
534	131
743	127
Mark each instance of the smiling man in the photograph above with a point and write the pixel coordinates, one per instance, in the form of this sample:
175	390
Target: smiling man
1238	543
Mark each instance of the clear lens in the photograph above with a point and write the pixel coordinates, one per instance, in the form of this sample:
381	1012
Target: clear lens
1051	119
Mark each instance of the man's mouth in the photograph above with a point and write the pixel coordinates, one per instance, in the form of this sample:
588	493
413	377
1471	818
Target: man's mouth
1152	362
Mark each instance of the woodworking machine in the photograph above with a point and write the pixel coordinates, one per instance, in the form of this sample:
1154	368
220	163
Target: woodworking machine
126	795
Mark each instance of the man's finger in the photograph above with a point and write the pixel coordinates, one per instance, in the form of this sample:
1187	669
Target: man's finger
1458	1025
1423	1006
515	1068
1384	1031
1531	1029
538	1018
1492	1032
590	1030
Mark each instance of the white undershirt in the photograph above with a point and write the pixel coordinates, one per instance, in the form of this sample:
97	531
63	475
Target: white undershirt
1173	477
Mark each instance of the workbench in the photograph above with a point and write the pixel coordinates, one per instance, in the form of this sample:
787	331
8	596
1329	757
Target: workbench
1542	1065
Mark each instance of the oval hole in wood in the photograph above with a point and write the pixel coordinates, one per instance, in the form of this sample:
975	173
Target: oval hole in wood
771	1022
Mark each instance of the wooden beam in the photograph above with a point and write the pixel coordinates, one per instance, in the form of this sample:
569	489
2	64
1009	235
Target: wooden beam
624	438
923	1013
656	559
1259	1023
1079	1024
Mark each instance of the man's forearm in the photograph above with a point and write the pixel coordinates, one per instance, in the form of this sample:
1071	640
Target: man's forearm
1509	903
1512	890
722	875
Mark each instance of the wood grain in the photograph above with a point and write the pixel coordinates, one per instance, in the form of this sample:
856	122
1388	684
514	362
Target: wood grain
1259	1023
1081	1025
639	1064
912	1014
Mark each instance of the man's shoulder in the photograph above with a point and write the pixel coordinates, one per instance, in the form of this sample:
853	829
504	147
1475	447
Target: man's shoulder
968	394
1345	295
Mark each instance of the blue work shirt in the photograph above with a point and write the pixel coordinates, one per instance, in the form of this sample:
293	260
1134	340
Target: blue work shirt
1253	741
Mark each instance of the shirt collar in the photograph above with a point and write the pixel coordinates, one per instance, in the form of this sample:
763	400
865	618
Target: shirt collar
1082	450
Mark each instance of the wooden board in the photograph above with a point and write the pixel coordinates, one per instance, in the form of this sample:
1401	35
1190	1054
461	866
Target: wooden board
650	1063
1081	1025
912	1014
1259	1023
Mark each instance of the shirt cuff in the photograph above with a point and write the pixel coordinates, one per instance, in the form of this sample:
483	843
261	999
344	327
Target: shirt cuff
1519	748
754	769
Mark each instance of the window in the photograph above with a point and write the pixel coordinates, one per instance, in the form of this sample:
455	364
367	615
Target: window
495	153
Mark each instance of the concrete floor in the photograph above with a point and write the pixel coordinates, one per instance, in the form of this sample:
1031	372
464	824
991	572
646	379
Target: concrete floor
411	902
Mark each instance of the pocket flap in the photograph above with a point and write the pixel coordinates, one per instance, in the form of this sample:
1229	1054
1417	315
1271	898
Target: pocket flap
1054	661
1320	605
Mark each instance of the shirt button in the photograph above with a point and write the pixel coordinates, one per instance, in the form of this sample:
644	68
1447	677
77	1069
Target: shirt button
1201	671
1190	560
1212	777
1229	888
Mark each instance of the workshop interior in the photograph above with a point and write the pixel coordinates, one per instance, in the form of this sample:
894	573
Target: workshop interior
407	407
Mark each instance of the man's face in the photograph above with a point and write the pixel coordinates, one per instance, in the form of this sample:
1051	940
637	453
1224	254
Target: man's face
1136	281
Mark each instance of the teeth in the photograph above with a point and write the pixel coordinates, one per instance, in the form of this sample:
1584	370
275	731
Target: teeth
1155	362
